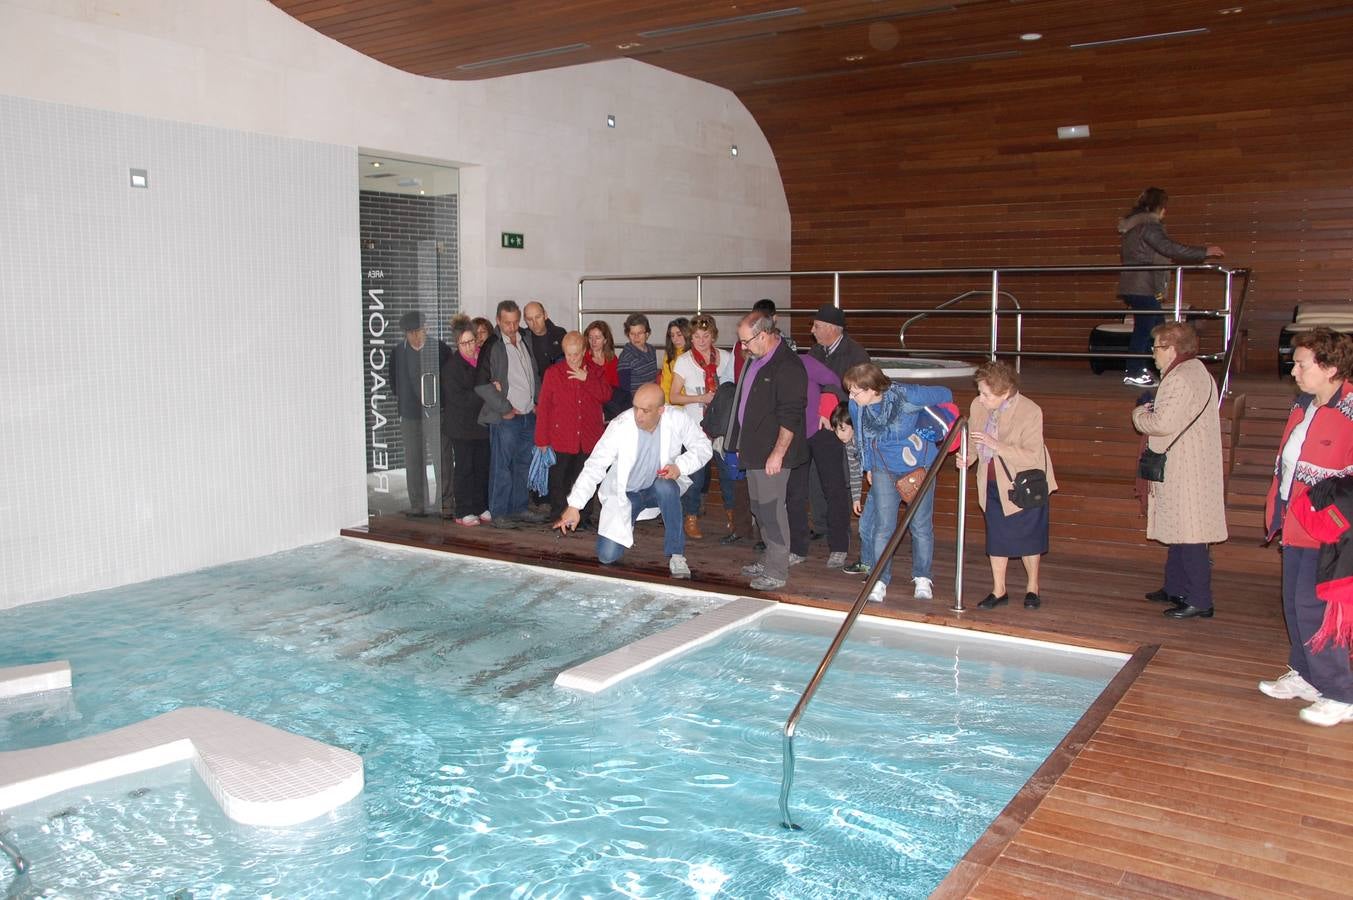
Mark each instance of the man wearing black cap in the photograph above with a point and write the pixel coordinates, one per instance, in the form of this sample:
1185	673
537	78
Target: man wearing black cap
406	378
837	351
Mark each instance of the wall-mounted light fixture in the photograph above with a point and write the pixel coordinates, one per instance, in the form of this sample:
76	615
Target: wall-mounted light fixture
1071	132
733	151
1031	36
139	178
610	121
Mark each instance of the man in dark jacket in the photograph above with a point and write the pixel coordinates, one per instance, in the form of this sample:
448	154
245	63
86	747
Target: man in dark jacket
416	425
839	352
766	429
543	338
508	386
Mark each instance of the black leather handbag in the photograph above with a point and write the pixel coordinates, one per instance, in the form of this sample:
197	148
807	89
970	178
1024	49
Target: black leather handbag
1151	466
1028	488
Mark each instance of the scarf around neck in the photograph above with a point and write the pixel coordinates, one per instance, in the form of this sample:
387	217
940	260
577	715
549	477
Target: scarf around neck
710	367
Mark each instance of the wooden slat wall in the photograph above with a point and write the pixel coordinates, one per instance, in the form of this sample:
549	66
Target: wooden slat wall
1250	130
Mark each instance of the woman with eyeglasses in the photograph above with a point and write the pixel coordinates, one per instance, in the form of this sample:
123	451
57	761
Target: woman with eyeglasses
1186	511
460	425
1315	453
886	419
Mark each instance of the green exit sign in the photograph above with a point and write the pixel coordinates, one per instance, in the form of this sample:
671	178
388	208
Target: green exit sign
514	241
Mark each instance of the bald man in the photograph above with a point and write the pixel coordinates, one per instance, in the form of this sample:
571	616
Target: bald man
643	461
543	338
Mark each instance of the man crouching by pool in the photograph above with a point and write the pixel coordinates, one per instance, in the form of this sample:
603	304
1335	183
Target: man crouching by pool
639	465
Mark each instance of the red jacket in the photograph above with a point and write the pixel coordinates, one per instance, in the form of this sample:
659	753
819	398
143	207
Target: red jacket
1326	453
568	412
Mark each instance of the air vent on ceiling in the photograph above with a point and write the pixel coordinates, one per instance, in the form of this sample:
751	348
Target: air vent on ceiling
1164	35
832	73
523	57
721	23
380	175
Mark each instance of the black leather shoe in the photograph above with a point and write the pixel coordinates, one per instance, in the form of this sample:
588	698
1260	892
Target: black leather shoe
992	601
1032	601
1161	597
730	539
759	546
1188	612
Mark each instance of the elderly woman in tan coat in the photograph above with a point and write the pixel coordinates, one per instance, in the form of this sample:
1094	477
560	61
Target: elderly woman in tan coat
1007	430
1186	511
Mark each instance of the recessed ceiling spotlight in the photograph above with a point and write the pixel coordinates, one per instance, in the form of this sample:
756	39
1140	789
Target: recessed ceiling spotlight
854	57
733	151
1230	10
610	121
1031	36
422	192
628	45
375	164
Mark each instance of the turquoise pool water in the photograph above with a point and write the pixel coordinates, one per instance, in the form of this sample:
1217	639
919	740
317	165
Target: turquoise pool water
483	780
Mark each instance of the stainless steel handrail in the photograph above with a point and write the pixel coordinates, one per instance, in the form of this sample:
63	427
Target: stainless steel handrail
995	302
1226	313
15	859
793	721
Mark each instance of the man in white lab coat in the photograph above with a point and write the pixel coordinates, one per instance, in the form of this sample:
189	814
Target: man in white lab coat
643	460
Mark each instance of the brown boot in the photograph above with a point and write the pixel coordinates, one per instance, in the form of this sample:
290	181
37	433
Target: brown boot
728	516
693	528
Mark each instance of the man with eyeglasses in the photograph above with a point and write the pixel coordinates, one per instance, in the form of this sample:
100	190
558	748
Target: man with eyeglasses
766	429
643	460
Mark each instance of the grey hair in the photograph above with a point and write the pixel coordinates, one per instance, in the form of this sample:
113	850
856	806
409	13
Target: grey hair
758	322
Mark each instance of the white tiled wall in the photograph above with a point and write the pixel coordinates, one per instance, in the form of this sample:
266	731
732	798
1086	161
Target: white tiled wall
181	374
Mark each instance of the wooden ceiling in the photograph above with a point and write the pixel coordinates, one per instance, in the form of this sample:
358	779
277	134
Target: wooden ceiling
761	43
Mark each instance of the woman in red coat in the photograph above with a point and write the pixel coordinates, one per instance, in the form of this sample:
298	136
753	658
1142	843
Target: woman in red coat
1317	444
568	416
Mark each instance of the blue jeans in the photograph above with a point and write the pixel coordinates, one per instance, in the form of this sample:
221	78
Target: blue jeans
511	443
690	501
879	519
1140	342
665	494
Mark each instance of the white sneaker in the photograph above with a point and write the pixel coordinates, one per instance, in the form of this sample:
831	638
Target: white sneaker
468	520
877	591
486	516
836	559
1290	686
1327	712
795	559
677	566
924	588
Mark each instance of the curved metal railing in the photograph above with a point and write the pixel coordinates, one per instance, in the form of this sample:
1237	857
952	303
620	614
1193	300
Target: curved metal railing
1019	319
932	473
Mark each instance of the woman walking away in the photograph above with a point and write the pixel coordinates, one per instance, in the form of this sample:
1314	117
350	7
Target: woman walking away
1186	511
1317	444
1145	243
1007	429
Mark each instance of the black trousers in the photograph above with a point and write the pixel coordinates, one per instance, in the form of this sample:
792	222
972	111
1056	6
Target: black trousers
566	469
828	456
1327	671
1188	574
471	476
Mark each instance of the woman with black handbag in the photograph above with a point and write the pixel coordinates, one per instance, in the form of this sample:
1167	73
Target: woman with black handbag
1007	429
1187	509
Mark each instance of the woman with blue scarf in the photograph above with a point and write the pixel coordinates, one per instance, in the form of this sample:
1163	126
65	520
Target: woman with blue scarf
893	440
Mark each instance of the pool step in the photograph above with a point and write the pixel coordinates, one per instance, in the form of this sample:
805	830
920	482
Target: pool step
598	674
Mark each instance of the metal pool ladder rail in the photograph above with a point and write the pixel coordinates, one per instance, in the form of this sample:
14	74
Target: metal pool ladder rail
15	859
932	473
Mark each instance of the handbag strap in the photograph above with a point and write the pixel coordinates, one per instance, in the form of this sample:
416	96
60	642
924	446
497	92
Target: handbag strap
1194	419
1045	462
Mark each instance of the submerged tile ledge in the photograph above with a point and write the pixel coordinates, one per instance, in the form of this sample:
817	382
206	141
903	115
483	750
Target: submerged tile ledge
260	775
600	673
16	681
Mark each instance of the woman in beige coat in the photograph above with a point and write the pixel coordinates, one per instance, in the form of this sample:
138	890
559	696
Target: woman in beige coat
1187	510
1007	430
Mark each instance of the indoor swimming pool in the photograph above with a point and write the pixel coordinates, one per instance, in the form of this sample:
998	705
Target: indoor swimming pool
485	780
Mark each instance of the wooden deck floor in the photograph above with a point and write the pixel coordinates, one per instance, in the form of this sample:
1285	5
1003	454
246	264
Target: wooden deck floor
1192	783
